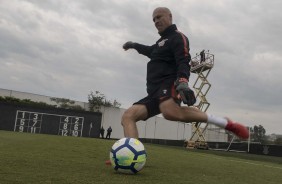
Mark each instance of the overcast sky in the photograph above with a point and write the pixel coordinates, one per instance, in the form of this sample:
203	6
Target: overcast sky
68	48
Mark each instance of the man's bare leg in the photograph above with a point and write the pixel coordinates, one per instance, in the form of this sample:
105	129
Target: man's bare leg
173	112
130	117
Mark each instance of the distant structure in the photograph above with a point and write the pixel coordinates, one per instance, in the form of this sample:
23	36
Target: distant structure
201	65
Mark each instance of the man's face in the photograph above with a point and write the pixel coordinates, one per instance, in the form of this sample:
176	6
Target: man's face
162	19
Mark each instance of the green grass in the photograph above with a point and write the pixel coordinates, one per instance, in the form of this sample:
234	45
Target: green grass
34	158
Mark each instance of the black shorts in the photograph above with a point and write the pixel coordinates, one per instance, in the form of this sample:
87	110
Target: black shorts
153	100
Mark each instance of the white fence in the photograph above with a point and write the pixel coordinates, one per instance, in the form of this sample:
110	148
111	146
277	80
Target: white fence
155	127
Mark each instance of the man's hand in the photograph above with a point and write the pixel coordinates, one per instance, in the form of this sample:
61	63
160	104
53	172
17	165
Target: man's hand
187	95
128	45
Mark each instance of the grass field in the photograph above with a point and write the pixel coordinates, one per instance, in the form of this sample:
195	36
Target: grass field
36	158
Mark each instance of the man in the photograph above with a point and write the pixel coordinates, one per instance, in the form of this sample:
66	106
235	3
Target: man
168	74
202	55
102	131
109	132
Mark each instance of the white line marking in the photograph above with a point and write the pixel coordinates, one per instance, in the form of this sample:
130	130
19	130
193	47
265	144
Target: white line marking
239	161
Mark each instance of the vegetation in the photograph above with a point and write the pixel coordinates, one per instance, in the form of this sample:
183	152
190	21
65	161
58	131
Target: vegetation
258	134
278	140
14	100
97	100
66	103
37	158
62	102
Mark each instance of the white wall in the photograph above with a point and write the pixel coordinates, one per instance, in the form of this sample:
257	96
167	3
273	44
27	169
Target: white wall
5	92
155	127
111	117
36	97
216	135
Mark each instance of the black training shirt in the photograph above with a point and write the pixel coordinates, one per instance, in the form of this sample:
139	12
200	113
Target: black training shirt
169	58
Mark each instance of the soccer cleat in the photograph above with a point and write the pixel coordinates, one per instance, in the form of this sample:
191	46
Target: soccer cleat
108	162
237	128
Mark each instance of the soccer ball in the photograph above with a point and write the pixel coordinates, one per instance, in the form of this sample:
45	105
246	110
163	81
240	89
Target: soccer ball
128	155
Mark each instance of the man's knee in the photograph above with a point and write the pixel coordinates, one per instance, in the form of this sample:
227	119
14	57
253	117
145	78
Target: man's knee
127	117
170	110
134	114
170	115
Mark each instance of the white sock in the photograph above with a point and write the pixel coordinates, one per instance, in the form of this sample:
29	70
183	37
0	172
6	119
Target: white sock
218	121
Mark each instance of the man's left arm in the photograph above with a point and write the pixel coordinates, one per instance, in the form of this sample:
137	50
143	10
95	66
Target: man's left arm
180	48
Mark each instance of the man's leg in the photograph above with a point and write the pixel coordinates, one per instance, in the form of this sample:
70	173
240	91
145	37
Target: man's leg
130	117
172	111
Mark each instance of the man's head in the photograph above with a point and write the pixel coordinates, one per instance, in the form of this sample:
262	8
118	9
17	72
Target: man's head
162	18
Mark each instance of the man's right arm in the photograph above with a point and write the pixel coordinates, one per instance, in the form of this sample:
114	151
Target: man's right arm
141	49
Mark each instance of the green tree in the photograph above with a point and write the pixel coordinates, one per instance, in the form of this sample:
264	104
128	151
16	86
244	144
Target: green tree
278	140
258	133
97	100
10	99
66	103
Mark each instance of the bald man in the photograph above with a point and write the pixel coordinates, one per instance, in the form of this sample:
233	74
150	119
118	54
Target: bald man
168	73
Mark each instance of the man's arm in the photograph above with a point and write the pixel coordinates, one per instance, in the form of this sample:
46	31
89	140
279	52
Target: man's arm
141	49
180	47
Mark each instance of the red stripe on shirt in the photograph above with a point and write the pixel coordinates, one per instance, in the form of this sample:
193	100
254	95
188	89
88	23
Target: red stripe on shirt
186	52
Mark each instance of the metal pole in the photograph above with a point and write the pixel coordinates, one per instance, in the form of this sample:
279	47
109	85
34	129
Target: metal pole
249	139
177	130
184	131
155	127
145	129
230	143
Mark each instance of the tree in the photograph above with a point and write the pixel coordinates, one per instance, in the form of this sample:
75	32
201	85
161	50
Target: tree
66	103
278	140
10	99
258	133
97	100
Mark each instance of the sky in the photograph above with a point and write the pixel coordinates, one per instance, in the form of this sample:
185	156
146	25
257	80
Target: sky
68	48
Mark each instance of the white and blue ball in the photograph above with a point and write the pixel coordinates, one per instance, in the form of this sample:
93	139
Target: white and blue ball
128	155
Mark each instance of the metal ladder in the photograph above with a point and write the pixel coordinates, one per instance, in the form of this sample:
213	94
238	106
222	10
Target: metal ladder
201	65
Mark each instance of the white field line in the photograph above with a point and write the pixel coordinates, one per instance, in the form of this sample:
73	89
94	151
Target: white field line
244	162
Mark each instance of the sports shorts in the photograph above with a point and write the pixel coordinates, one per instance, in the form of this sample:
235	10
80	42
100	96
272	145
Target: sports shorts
153	100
